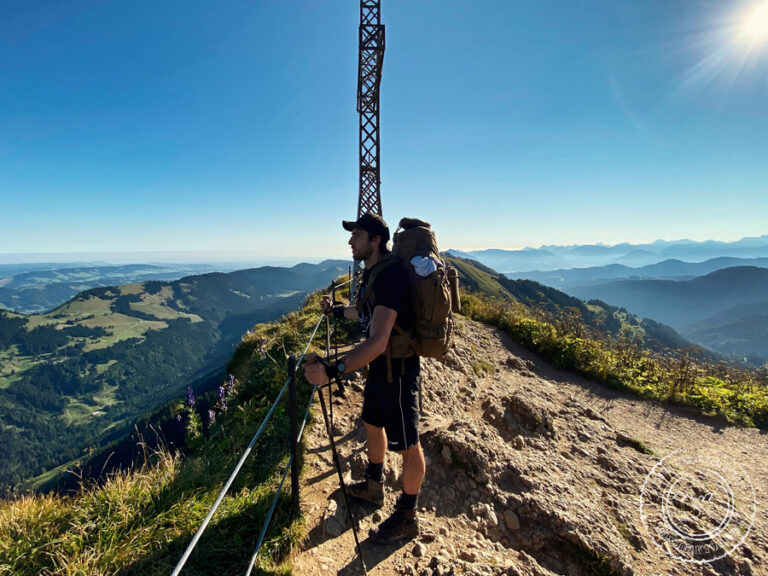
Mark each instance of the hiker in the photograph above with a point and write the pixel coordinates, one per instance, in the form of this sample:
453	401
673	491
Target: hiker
390	399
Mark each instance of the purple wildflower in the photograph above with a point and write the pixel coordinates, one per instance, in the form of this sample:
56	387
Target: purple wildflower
231	384
211	416
222	403
190	397
263	349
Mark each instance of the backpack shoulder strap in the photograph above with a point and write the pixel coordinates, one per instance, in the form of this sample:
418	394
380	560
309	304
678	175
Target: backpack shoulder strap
368	294
372	275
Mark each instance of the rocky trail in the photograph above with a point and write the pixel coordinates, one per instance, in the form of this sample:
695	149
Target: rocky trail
534	471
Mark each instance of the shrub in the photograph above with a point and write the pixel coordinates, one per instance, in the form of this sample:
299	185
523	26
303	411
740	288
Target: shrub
741	396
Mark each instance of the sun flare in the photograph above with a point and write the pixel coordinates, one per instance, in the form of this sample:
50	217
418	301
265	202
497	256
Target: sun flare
754	27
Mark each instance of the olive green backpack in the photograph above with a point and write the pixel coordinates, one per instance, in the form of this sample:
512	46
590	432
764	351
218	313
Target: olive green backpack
434	297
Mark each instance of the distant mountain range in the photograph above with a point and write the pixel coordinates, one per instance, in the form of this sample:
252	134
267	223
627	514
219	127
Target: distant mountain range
37	288
579	256
565	279
738	332
726	310
76	378
676	283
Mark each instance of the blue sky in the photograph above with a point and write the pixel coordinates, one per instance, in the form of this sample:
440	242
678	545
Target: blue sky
230	128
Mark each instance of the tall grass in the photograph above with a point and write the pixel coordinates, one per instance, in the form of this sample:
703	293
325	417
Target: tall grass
140	521
680	377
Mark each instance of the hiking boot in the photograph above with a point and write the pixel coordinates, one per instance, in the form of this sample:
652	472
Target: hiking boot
403	524
369	490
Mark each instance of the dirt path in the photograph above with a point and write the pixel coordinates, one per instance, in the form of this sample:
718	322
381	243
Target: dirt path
532	471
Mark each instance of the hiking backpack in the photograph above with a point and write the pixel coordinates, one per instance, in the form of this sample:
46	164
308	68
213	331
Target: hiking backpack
434	291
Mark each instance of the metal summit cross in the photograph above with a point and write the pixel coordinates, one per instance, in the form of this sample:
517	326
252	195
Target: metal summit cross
371	58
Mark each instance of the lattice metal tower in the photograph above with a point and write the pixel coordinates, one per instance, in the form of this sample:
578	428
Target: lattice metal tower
371	58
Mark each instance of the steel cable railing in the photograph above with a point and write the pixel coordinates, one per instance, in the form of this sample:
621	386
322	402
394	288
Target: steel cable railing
280	487
293	367
269	518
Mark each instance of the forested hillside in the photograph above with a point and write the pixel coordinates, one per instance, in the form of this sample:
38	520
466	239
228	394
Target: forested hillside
723	310
76	378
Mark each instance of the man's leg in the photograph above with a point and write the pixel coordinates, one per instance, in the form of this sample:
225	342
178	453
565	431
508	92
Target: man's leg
376	443
404	522
414	468
372	488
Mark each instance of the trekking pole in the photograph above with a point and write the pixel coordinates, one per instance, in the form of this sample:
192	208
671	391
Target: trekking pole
328	356
421	399
341	478
339	383
335	336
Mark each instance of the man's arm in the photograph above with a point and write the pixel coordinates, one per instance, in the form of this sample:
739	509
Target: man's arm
350	312
375	345
390	291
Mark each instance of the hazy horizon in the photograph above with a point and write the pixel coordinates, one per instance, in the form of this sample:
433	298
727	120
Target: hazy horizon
238	257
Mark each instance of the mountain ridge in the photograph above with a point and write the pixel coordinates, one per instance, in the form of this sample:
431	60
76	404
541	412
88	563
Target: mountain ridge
696	307
43	289
717	290
595	314
77	376
550	257
671	268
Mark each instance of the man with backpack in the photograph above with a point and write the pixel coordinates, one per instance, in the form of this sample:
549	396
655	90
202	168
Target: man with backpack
390	400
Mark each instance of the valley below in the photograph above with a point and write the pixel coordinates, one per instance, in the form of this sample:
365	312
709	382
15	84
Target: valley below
76	378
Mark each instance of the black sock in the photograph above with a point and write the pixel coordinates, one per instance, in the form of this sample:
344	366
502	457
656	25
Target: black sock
408	501
376	471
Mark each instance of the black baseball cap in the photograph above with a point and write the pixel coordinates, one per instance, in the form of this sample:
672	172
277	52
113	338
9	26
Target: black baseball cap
371	223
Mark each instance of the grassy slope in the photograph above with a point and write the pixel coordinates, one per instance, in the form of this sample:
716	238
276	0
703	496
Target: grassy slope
609	345
140	522
480	278
90	312
157	338
740	396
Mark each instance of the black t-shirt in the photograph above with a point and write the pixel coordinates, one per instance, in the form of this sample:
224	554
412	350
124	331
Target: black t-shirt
390	289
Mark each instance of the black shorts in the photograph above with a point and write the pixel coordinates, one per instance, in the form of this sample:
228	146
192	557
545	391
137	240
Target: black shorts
395	406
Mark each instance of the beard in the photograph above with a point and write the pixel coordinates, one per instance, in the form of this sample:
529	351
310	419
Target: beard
364	254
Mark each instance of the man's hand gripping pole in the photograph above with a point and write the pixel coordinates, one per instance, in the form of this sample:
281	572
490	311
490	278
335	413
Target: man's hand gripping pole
333	374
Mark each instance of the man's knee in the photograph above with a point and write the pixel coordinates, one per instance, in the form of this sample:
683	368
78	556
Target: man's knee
375	433
412	453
